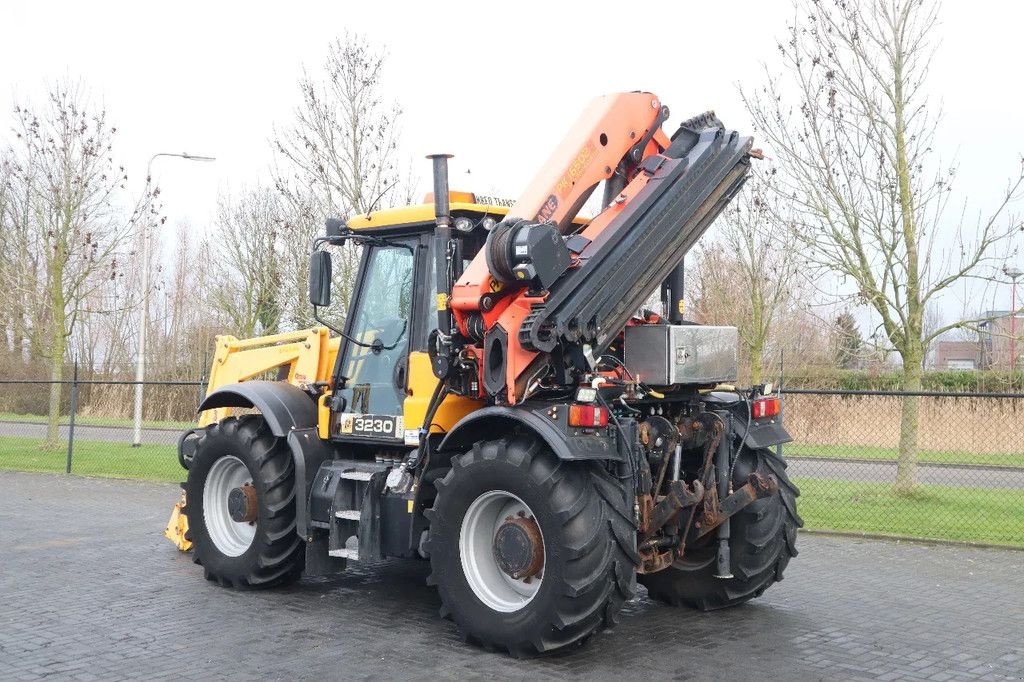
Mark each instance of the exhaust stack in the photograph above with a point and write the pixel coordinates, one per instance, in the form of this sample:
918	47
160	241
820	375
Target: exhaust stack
443	256
442	213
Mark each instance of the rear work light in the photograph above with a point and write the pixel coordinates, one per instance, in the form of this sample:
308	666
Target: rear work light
588	416
762	408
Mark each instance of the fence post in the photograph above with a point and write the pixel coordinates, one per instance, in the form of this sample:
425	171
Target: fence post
202	389
74	408
782	397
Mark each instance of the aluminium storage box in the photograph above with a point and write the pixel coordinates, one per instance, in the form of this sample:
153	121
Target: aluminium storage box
663	354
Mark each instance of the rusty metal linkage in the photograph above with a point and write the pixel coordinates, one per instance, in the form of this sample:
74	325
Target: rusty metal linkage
756	487
680	496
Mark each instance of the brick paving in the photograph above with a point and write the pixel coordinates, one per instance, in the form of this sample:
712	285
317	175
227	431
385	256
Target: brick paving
89	589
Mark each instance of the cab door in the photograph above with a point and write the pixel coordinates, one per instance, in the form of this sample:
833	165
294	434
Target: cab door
373	363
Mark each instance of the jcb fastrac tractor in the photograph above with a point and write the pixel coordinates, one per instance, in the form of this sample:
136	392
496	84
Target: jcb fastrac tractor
499	403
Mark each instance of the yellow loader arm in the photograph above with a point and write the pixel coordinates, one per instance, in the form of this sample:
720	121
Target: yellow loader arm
307	355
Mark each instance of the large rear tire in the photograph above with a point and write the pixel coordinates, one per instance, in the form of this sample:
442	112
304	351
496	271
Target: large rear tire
242	454
583	537
762	541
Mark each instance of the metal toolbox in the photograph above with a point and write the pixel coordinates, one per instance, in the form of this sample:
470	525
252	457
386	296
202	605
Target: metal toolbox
662	354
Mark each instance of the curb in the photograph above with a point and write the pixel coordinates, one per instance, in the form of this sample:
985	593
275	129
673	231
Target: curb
967	544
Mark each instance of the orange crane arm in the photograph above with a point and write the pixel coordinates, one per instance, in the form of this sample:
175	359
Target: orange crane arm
610	128
539	284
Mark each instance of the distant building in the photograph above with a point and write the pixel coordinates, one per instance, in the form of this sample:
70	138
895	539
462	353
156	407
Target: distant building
995	336
958	355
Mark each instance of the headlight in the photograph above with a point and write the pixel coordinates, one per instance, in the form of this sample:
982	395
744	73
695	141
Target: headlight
463	224
488	223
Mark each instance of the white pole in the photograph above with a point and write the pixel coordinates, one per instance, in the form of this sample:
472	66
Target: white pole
140	354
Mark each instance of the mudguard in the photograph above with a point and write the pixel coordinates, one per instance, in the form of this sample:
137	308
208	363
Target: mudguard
284	406
290	413
494	421
753	434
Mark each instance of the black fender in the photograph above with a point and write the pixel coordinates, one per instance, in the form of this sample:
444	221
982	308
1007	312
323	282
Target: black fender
284	406
760	436
755	435
291	414
496	420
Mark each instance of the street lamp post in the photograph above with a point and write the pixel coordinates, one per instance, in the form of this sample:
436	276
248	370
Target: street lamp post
140	359
1013	273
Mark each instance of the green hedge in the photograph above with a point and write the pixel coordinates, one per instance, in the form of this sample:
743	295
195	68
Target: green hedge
944	380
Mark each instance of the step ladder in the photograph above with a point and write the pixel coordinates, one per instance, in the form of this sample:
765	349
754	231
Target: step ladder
344	532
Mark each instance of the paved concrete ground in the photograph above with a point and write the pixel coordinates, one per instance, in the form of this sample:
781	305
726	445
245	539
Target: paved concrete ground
89	589
933	474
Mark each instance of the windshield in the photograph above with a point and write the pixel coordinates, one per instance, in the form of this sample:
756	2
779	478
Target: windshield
380	317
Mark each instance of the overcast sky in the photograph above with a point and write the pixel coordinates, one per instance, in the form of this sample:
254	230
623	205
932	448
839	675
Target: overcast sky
497	84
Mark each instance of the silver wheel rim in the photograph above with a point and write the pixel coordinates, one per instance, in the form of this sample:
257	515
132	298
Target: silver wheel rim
491	585
231	537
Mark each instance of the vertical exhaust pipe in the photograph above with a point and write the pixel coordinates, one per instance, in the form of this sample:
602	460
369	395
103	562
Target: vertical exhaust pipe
442	263
442	212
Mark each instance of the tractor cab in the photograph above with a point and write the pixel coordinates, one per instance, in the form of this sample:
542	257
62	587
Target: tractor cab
382	380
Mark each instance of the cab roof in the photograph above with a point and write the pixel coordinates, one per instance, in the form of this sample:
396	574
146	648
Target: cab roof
420	214
460	203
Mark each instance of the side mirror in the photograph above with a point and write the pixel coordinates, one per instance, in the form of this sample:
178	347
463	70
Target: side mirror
320	278
333	227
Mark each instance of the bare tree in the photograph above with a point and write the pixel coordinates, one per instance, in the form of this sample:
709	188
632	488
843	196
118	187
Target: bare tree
69	228
343	144
248	293
850	122
339	157
8	245
750	276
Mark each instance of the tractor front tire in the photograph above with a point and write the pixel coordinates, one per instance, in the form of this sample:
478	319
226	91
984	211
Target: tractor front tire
240	469
762	541
513	504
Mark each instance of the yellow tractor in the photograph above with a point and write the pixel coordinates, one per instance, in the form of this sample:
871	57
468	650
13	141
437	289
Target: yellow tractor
498	402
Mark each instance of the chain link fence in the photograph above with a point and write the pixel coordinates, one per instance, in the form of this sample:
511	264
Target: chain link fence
967	469
95	431
963	480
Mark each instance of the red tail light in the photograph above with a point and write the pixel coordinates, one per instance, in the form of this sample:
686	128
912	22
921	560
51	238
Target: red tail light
763	408
587	416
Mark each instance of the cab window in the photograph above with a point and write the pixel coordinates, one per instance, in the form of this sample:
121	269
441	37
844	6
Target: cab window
374	368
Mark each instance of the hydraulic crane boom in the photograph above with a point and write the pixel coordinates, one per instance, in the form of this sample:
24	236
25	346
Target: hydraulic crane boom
610	129
536	286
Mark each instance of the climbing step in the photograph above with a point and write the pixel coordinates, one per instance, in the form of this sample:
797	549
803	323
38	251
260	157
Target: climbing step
345	553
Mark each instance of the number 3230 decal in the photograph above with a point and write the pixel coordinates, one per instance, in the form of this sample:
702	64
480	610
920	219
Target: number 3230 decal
371	425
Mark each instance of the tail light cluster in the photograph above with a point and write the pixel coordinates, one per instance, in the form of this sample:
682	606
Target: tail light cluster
762	408
588	416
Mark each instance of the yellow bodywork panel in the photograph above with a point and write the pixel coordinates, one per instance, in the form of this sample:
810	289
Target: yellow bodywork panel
421	385
323	416
309	356
424	214
418	213
177	526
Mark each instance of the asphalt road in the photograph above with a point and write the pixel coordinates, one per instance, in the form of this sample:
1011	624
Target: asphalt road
104	434
91	590
885	472
979	477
